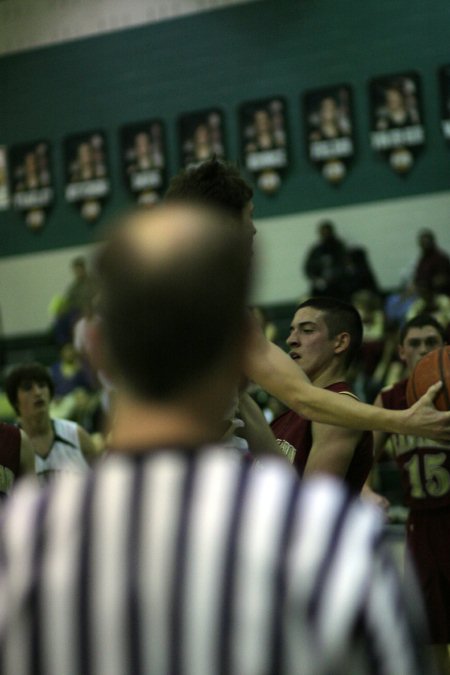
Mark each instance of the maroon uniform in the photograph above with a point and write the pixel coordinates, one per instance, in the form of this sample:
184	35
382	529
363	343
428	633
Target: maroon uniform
294	435
9	456
425	472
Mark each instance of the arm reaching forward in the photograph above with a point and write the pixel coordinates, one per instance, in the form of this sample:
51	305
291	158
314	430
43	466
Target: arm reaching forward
273	370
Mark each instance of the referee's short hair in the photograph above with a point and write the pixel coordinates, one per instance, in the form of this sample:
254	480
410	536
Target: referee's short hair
173	286
24	374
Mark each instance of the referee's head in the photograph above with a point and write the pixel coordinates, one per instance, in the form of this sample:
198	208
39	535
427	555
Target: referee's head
173	286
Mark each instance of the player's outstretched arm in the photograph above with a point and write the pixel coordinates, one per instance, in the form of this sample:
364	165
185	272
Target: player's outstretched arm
257	432
273	370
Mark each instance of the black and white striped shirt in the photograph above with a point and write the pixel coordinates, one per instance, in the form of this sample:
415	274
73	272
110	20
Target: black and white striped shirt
182	563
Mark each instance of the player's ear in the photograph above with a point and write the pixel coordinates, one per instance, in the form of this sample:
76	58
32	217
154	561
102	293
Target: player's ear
341	342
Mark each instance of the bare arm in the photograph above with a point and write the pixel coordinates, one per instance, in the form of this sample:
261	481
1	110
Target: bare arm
273	370
332	450
257	432
87	446
379	437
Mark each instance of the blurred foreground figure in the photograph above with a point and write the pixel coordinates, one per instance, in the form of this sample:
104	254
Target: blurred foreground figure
176	555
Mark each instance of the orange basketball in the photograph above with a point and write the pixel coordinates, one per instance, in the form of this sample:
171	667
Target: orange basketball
431	368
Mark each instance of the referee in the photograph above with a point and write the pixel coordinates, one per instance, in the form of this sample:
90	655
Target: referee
176	556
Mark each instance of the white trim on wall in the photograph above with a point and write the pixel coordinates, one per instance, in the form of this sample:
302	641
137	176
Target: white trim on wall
27	24
387	229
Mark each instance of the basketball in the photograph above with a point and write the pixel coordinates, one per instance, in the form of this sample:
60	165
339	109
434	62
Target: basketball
431	368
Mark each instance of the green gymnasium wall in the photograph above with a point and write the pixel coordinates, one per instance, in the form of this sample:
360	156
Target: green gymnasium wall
222	58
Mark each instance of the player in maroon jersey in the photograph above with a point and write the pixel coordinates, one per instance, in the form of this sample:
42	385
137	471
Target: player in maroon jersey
16	456
425	472
324	339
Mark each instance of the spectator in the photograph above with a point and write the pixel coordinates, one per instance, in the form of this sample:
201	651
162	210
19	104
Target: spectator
433	266
74	389
69	308
358	273
325	263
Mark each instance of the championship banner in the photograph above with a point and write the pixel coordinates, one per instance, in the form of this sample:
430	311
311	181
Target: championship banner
87	175
329	126
144	160
264	141
201	137
397	130
4	179
32	189
444	81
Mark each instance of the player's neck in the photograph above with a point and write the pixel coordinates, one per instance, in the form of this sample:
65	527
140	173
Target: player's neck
333	373
38	424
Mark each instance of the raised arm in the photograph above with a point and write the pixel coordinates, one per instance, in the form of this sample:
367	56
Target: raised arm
256	431
273	370
87	445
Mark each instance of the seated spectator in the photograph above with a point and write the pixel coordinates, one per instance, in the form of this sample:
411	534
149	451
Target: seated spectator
433	266
369	306
430	302
69	307
325	262
398	303
358	273
74	390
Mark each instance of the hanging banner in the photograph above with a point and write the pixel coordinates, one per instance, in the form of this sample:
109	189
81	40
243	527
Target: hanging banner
144	160
397	130
4	180
329	128
264	141
444	81
32	190
201	137
87	175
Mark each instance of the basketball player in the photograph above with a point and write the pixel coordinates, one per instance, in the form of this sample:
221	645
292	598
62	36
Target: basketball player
324	339
176	555
219	184
59	445
425	471
16	457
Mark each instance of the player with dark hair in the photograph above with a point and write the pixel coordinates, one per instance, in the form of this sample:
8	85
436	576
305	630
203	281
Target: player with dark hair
175	554
324	339
59	445
215	182
26	373
425	472
220	185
